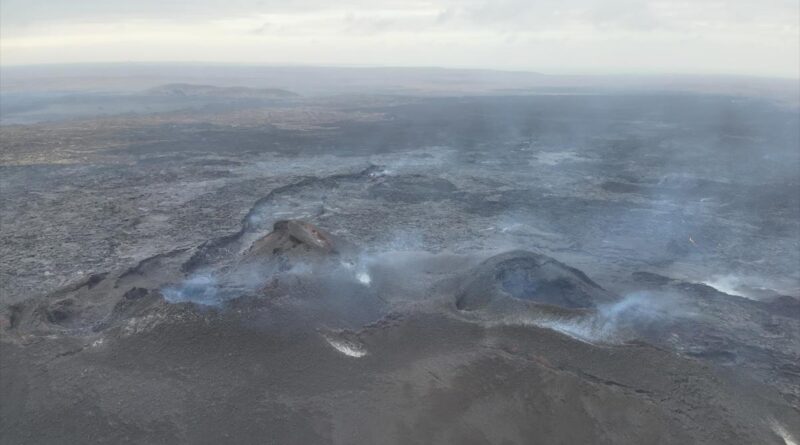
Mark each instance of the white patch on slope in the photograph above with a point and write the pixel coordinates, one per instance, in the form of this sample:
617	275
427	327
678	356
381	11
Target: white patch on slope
347	348
788	439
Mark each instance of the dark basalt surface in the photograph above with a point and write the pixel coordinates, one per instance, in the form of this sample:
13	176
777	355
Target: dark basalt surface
611	269
529	277
314	333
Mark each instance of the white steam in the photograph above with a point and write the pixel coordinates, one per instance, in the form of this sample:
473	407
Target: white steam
751	287
728	284
200	289
359	268
612	323
364	278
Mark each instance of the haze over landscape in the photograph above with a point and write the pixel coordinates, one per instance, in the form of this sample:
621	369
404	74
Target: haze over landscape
442	222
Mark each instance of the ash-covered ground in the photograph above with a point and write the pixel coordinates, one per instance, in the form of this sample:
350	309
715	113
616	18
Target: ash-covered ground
192	264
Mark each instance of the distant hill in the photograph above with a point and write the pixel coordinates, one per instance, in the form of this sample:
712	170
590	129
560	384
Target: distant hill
257	81
191	90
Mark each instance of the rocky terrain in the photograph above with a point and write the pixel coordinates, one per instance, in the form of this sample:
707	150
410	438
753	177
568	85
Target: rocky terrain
238	267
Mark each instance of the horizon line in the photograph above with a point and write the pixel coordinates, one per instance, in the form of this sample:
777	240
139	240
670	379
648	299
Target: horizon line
567	73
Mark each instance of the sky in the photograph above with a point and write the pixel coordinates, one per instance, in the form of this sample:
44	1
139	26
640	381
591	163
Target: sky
740	37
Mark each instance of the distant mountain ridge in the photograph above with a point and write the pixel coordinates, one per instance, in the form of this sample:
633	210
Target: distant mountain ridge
193	90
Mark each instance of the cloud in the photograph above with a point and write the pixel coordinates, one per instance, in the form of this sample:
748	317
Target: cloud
701	36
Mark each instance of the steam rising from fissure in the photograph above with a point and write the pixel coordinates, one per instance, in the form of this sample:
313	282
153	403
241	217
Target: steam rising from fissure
615	322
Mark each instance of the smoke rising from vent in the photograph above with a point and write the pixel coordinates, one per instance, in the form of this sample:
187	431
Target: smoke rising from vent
618	321
199	289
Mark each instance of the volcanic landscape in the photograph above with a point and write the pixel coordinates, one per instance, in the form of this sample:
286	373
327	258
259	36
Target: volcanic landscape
206	263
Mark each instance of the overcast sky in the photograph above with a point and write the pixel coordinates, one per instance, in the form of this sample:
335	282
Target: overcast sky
567	36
